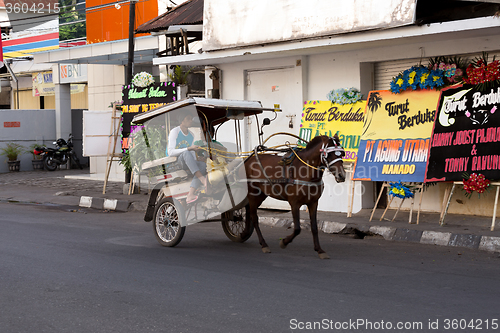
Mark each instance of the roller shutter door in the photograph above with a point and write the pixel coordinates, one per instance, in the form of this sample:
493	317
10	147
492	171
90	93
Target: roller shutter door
385	71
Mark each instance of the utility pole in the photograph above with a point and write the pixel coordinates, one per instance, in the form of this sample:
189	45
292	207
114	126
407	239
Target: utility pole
131	28
128	78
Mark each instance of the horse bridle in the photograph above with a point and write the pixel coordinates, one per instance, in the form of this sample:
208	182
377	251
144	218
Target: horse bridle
326	150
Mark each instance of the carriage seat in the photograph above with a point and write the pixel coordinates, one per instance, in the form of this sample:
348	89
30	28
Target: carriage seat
170	163
159	162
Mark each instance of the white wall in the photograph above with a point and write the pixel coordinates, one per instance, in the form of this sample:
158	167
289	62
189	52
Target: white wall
105	86
262	21
35	126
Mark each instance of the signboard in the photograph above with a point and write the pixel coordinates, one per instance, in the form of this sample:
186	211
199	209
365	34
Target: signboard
72	73
27	42
43	85
327	118
466	135
396	136
137	100
11	124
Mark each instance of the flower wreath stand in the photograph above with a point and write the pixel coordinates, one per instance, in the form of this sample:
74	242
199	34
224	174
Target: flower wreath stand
403	192
449	193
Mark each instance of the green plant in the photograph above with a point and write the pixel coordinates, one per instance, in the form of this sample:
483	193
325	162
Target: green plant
125	161
12	150
179	76
30	150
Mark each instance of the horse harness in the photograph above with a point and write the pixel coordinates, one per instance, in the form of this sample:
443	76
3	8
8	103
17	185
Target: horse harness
287	160
325	150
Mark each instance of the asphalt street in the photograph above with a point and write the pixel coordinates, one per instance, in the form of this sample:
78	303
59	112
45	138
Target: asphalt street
66	270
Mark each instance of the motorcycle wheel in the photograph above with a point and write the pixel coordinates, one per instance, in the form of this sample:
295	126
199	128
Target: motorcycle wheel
49	163
76	160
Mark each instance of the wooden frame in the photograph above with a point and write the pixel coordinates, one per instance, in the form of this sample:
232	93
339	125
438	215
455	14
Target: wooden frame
113	137
448	193
386	185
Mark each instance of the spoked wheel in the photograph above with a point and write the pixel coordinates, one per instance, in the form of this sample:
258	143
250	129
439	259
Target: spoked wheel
168	222
237	225
49	163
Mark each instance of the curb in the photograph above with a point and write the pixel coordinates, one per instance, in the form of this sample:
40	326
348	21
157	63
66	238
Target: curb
107	204
475	242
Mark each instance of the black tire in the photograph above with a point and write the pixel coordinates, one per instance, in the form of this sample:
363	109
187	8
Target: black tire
49	163
236	225
76	160
168	221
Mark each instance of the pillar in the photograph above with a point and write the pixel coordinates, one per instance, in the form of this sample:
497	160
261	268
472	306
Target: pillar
63	111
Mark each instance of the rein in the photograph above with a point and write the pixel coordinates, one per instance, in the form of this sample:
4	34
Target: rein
325	151
324	155
312	167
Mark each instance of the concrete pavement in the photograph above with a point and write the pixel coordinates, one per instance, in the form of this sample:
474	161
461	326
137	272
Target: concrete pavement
80	189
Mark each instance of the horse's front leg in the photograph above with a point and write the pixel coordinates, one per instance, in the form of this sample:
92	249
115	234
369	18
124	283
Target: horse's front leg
296	226
313	209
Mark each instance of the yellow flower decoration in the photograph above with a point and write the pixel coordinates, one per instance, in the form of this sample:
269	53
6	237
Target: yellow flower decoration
411	77
399	82
424	77
435	78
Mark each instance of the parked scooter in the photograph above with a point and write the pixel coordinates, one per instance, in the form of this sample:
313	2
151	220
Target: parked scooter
53	157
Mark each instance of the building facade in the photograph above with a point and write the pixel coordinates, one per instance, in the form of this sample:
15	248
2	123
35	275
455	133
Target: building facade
287	52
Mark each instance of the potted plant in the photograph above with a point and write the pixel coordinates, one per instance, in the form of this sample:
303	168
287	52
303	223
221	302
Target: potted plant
12	150
37	161
179	77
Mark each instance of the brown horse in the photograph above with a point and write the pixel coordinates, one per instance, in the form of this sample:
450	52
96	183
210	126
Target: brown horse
298	182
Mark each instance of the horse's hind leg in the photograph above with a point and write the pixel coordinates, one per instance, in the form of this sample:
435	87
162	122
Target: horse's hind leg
296	227
255	220
313	208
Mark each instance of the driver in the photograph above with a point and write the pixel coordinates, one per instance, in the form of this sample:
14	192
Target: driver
180	145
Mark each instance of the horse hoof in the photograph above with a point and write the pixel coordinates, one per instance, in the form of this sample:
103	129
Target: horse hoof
266	250
282	244
323	255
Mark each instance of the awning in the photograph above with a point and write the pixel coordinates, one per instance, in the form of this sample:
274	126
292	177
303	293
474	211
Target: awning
106	53
26	68
187	13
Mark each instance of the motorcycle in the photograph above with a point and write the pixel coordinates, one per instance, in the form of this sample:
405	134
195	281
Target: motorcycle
53	157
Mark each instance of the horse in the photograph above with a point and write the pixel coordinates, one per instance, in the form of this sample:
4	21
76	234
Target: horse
298	181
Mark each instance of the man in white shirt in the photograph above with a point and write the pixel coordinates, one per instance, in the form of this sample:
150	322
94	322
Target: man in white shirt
180	145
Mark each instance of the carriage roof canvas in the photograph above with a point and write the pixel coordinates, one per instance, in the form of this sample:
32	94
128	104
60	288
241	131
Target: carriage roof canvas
220	108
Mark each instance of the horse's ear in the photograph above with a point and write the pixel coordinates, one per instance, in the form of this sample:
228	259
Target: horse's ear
336	136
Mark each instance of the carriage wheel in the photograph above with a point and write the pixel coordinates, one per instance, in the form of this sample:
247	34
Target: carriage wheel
168	222
237	225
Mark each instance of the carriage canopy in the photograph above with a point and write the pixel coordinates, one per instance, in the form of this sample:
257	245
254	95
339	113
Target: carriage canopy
151	153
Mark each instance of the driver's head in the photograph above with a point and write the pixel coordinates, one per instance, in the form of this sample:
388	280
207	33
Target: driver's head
187	120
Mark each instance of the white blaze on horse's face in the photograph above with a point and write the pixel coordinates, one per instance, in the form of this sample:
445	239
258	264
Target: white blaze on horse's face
331	157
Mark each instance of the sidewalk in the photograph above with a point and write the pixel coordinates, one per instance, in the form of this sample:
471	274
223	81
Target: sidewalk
79	188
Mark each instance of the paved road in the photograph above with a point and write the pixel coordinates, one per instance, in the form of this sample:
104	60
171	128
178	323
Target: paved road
92	271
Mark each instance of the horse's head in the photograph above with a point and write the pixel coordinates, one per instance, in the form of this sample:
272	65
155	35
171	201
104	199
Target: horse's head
331	157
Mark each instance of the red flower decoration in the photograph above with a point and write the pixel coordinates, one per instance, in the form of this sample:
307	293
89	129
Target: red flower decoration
476	182
480	71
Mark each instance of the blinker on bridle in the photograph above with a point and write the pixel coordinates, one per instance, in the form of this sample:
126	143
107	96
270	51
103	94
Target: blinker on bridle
325	151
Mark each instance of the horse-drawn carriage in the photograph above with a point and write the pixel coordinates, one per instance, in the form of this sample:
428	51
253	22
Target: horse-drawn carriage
234	182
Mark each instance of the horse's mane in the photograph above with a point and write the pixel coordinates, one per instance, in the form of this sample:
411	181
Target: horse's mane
314	142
